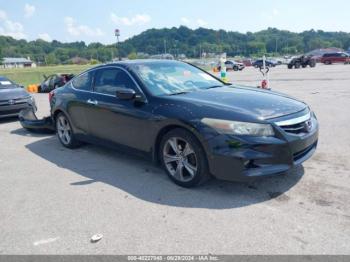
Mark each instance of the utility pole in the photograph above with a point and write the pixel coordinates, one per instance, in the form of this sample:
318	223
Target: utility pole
164	46
117	34
276	46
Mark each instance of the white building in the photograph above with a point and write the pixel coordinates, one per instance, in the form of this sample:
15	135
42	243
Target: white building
14	62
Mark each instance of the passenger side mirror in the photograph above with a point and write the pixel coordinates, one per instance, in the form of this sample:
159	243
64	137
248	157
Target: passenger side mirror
125	93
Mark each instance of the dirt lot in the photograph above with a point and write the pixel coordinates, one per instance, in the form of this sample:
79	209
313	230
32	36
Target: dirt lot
52	200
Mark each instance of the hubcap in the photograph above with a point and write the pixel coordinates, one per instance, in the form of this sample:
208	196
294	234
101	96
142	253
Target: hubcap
63	130
180	159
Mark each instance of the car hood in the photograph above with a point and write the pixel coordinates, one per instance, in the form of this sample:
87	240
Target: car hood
12	93
253	103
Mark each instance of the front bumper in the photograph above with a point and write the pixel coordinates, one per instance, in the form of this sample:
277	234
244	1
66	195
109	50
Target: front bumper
13	110
242	158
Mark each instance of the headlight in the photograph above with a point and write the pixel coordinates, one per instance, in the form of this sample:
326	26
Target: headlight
239	128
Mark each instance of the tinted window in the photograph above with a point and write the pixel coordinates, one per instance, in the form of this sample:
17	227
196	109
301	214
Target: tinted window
107	81
83	82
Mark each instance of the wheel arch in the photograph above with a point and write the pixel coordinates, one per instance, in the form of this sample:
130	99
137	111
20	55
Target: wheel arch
166	129
58	111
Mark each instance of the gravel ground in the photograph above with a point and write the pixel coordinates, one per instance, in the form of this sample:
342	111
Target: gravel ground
52	200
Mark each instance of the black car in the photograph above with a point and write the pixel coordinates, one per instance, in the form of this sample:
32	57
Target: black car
191	122
54	81
260	64
302	61
13	98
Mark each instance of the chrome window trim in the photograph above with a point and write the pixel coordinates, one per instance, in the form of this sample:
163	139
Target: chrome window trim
294	121
106	67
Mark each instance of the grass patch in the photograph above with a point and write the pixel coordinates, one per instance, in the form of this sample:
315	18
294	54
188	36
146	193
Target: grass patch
27	76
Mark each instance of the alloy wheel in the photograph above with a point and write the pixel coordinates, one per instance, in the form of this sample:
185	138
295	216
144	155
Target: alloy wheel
64	130
180	159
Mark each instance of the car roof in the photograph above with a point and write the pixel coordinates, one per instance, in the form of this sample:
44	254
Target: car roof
128	63
2	78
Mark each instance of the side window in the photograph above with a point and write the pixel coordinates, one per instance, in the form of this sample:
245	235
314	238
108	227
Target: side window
107	81
83	82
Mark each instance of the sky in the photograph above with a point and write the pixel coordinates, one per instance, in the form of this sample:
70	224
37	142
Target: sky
95	21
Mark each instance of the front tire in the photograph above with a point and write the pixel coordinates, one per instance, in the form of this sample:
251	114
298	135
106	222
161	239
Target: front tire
65	132
183	158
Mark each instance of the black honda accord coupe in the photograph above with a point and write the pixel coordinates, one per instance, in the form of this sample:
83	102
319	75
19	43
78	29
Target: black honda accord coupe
13	98
195	125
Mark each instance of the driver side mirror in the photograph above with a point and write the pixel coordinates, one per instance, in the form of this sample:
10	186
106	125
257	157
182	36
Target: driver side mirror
125	93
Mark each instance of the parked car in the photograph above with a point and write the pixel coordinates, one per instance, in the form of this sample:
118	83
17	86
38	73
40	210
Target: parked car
232	65
338	57
54	81
194	124
268	63
302	61
13	98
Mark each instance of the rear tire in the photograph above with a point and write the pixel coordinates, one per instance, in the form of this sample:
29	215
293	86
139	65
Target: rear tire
65	132
183	158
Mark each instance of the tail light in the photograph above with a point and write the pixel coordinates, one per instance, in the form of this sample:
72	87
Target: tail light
51	95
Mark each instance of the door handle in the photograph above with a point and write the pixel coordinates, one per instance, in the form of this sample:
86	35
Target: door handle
93	102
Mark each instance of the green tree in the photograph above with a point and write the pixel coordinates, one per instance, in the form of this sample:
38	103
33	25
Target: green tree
132	56
51	59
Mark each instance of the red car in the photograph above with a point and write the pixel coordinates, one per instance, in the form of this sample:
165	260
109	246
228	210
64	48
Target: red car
338	57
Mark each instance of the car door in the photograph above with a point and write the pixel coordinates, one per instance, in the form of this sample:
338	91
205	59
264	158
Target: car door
80	102
343	58
229	65
111	119
339	58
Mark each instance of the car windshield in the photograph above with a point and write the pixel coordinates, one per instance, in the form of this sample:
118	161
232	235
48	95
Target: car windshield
5	83
170	78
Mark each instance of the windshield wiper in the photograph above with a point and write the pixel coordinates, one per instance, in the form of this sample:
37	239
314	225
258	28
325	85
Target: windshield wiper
216	86
179	93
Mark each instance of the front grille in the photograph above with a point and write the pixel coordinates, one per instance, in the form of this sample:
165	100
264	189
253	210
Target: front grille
297	128
299	125
12	109
17	101
9	112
